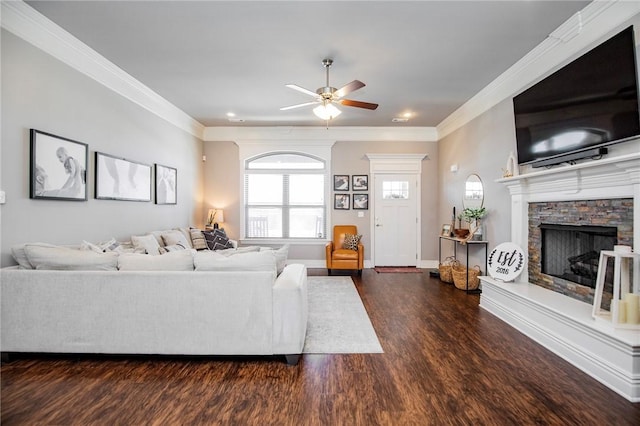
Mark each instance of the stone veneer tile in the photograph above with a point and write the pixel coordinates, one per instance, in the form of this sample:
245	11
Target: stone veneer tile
605	212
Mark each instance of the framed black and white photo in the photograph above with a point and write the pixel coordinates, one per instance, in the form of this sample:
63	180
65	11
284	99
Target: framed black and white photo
360	182
58	167
341	201
122	179
340	182
360	201
166	184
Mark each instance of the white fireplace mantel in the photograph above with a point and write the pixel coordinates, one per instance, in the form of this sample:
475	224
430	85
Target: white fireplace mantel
561	324
611	177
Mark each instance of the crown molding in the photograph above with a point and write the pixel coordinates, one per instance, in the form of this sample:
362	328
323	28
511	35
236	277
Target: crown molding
25	22
573	37
344	133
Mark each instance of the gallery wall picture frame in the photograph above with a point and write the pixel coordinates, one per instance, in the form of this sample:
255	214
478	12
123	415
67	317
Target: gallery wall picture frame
341	201
121	179
361	201
166	184
340	182
58	167
446	230
360	182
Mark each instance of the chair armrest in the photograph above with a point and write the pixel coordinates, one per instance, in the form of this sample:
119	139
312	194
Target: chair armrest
328	250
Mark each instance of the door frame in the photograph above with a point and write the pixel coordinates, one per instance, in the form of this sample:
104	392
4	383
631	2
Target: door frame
398	164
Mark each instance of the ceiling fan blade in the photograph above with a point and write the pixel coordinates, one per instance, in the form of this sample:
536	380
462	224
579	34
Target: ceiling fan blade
298	105
348	88
302	89
358	104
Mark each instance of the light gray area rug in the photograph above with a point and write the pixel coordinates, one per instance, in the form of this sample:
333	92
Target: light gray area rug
338	322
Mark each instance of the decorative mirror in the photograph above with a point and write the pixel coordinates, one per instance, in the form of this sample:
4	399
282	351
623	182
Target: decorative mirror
473	192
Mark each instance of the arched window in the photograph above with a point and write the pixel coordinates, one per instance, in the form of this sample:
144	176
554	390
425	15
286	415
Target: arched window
284	196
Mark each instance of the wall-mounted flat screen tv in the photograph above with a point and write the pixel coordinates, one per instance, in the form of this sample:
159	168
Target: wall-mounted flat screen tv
589	103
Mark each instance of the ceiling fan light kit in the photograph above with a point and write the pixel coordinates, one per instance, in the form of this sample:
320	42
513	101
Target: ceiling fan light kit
326	111
326	96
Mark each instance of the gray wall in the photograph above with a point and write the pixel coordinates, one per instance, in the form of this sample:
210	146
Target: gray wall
222	189
482	146
40	92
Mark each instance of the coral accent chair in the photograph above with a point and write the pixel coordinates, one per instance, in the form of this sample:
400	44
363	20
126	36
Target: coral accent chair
341	258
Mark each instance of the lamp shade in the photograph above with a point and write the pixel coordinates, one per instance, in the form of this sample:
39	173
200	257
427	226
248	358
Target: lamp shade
219	216
326	111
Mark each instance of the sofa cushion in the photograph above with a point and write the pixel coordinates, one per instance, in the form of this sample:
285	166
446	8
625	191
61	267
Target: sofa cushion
344	254
217	239
175	237
63	258
254	261
351	241
20	256
197	238
281	255
147	244
173	261
187	235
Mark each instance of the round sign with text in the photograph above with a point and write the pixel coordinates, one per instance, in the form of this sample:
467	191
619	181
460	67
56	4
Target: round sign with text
506	262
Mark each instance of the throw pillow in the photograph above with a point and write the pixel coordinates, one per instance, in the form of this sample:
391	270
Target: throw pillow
174	237
174	247
351	241
20	256
148	243
197	238
63	258
217	239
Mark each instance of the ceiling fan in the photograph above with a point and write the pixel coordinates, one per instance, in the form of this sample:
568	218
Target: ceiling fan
327	96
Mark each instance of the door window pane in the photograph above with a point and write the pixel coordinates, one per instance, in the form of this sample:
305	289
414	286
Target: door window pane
395	190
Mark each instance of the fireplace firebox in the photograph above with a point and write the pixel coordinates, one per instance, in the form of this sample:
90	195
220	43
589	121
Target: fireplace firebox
571	252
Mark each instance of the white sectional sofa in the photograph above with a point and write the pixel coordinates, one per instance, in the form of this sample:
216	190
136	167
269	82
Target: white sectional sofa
221	305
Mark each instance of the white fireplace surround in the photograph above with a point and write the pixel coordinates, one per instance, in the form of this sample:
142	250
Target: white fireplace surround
558	322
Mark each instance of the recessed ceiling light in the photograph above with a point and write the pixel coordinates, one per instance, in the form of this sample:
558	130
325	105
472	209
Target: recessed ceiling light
407	115
231	114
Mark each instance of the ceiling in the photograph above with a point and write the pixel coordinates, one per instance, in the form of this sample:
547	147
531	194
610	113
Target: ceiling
210	58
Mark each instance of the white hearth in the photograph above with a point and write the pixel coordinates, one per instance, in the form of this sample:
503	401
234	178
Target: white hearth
558	322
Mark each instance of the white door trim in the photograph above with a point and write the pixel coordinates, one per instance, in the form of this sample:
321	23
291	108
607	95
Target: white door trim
397	164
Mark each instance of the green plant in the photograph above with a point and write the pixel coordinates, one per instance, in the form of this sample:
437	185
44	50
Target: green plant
474	213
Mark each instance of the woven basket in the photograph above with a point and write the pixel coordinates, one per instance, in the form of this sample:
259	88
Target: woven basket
445	269
459	274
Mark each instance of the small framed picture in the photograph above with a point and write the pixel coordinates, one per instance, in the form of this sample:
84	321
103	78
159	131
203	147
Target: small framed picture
166	181
360	182
340	182
360	201
341	201
121	179
58	167
446	230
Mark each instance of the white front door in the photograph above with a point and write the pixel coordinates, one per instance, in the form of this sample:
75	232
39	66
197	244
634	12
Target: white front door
395	220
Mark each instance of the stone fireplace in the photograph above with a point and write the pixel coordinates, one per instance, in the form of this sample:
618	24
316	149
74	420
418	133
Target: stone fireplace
576	207
565	240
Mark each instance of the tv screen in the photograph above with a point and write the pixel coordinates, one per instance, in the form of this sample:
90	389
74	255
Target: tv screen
589	103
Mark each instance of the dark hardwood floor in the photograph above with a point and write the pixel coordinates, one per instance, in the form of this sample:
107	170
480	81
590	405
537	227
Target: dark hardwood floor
445	361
